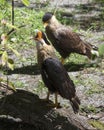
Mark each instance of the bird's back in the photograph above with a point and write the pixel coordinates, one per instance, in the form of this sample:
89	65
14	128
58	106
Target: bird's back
57	80
66	41
59	77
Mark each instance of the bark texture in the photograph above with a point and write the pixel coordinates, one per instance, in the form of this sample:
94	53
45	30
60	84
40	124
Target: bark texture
23	110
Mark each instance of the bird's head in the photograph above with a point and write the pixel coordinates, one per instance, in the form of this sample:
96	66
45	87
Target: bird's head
38	35
47	18
41	37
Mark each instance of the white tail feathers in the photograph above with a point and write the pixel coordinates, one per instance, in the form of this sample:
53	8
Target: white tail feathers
95	52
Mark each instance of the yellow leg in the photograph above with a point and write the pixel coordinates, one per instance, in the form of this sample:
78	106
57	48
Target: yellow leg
57	105
62	60
56	100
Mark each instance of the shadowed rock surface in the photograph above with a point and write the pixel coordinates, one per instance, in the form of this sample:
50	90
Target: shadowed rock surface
24	110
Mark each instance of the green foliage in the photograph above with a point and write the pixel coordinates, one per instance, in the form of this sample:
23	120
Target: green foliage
7	61
88	109
99	1
63	20
25	22
101	50
4	47
26	2
97	124
5	10
93	91
4	58
9	84
41	87
19	84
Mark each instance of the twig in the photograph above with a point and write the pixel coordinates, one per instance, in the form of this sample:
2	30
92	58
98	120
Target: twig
12	12
13	30
57	6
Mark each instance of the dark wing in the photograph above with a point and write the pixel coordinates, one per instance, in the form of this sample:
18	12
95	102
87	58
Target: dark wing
67	38
56	76
65	41
71	42
46	80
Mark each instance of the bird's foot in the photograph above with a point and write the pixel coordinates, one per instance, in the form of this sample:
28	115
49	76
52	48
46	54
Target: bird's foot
45	100
55	106
62	60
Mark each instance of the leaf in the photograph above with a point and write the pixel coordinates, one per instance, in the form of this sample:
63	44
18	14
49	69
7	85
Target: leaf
11	85
1	52
1	15
12	26
4	58
14	51
26	2
1	79
10	64
101	50
4	39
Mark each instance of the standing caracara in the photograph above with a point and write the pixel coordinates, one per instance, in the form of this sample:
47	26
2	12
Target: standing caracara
44	48
54	74
64	40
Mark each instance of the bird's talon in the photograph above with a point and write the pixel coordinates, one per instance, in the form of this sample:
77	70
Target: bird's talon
45	100
55	106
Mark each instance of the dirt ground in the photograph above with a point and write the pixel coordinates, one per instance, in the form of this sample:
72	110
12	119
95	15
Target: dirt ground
89	79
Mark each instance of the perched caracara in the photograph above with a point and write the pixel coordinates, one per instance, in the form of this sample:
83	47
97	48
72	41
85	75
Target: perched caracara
44	48
64	40
54	74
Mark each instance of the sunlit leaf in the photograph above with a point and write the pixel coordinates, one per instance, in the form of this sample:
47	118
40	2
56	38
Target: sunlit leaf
11	26
23	59
10	64
1	79
26	2
101	50
1	52
4	39
4	58
15	51
1	15
10	84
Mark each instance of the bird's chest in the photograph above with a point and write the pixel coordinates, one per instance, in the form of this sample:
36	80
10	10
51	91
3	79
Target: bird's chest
51	34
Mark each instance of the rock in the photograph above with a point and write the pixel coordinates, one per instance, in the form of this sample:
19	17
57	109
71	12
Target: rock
23	110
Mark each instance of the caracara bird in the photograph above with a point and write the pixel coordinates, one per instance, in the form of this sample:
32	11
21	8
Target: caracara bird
64	39
54	75
44	48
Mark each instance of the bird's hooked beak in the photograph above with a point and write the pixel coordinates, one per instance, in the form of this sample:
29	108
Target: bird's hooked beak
38	36
45	24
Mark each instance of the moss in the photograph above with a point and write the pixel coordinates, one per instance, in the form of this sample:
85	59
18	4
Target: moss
93	90
97	124
88	109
